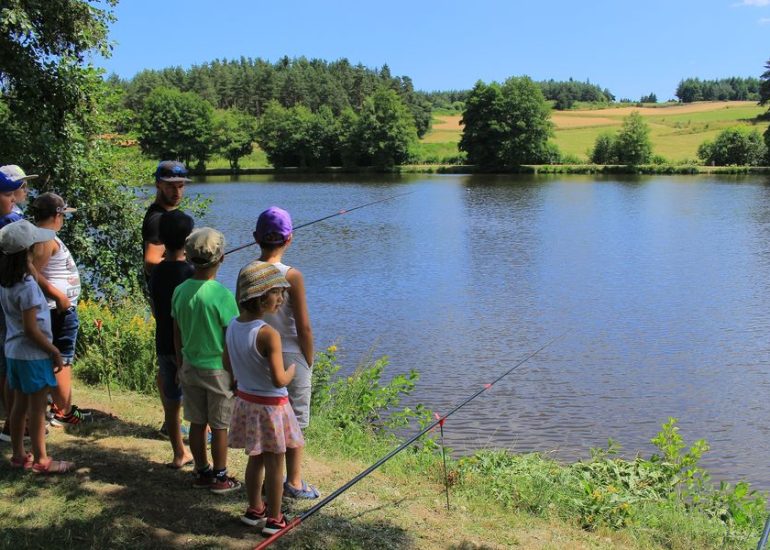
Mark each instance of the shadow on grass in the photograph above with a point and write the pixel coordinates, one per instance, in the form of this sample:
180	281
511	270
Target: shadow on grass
117	499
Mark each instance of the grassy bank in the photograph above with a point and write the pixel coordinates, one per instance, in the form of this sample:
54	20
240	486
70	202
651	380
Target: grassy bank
676	130
123	496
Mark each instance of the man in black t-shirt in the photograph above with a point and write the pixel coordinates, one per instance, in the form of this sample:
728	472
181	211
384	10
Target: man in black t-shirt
170	179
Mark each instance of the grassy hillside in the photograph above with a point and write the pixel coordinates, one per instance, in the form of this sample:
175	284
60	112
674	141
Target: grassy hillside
676	130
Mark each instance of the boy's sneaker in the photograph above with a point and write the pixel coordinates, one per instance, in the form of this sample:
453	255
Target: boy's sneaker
74	418
85	413
204	479
272	525
224	484
5	435
255	517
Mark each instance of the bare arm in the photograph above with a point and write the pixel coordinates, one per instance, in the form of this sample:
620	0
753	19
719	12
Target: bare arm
33	332
41	256
269	345
301	315
227	365
153	255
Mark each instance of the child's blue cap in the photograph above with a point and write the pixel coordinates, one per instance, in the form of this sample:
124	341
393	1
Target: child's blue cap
8	184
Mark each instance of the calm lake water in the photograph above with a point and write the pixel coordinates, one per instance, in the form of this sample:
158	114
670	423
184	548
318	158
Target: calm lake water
664	283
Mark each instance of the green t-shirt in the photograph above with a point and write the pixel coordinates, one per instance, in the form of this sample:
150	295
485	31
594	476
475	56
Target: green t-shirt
202	309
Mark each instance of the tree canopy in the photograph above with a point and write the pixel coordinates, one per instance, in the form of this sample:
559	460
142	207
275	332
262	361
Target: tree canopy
50	114
176	125
506	125
631	145
734	146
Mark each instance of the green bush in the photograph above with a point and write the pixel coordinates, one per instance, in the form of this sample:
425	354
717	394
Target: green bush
116	344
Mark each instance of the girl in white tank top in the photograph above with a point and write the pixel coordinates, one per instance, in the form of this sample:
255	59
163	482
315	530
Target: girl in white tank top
263	423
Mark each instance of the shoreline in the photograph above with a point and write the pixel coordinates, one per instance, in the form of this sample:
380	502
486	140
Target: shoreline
567	169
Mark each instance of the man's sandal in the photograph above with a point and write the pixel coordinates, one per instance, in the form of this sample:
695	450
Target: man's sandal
53	467
24	463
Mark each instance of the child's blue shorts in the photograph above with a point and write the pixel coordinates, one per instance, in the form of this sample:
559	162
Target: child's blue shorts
30	375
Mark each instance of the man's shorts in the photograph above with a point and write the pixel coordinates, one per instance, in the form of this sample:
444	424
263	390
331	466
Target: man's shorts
208	396
3	366
30	375
172	390
64	326
300	387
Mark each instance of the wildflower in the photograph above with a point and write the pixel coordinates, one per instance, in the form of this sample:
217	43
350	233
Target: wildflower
98	324
331	349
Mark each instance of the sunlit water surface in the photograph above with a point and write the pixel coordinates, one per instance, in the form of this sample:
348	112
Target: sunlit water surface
661	281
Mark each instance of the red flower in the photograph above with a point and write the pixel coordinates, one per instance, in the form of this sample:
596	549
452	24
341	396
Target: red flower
99	325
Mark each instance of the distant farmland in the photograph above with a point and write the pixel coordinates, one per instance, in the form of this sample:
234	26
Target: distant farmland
676	130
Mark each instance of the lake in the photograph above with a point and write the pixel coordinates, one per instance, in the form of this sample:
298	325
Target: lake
662	283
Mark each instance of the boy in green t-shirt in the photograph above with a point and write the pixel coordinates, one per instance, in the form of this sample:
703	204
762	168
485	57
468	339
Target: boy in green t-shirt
202	308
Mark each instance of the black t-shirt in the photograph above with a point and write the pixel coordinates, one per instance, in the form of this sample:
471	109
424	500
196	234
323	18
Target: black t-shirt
151	225
164	279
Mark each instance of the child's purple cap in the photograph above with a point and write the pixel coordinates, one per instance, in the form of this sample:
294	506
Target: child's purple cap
273	226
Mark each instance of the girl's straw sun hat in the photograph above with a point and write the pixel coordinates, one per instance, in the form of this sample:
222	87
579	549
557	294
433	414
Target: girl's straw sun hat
257	278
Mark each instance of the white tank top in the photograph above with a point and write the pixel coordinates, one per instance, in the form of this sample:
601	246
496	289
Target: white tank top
250	368
283	320
62	272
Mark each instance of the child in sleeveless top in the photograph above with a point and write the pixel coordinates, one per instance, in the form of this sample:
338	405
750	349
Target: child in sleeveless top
263	422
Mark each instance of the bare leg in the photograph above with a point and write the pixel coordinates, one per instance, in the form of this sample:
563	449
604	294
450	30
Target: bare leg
62	393
18	422
294	467
159	385
274	481
7	404
255	477
198	445
174	424
219	448
37	405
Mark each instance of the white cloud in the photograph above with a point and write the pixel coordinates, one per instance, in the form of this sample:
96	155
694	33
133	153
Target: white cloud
757	3
764	21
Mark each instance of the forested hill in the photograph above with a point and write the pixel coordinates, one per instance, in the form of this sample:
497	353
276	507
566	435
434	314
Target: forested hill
250	84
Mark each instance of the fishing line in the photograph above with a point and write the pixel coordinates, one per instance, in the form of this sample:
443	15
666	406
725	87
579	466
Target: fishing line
439	422
338	213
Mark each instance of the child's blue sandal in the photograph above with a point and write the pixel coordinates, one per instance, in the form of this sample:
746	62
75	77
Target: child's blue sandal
307	491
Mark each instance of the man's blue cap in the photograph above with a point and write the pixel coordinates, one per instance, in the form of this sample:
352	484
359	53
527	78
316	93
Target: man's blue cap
8	184
171	171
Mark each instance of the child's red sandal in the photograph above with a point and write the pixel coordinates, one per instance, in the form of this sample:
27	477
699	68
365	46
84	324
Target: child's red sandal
22	463
52	467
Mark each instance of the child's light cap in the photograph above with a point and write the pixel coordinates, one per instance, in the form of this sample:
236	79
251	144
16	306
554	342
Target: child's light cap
256	278
20	235
204	247
273	226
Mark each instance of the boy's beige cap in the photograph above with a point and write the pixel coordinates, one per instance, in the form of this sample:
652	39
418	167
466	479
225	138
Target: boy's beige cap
204	247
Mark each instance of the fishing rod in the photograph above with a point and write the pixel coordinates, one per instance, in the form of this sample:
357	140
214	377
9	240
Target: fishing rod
765	533
439	421
338	213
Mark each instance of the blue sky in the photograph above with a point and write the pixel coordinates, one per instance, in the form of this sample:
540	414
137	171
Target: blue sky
632	48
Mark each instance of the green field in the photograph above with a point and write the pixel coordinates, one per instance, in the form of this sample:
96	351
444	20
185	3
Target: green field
676	130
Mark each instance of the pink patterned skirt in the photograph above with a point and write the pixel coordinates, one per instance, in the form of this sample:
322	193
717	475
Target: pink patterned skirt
258	428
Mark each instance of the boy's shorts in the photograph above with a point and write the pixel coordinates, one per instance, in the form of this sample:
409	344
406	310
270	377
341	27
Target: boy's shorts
30	375
3	366
64	326
172	390
208	396
300	387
